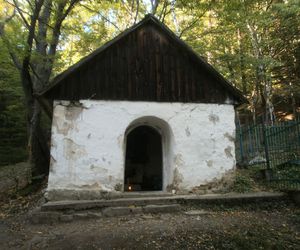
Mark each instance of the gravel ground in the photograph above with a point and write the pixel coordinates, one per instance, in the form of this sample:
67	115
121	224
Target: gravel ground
257	226
215	228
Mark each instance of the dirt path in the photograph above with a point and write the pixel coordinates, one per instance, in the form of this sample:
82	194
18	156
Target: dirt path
239	228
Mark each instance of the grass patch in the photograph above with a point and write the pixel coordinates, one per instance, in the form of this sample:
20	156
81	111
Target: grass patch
243	183
249	180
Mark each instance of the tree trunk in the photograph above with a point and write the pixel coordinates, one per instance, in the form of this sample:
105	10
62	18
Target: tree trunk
38	146
242	61
262	81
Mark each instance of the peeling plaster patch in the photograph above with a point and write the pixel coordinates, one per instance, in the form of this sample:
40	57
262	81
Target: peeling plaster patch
89	136
118	187
64	118
53	144
178	160
73	151
229	137
178	178
187	131
51	169
61	127
228	152
52	159
213	118
62	103
52	162
95	185
209	163
216	184
72	113
90	161
98	169
193	108
86	105
103	159
173	116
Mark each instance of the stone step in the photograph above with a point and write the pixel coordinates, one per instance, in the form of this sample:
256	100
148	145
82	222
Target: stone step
65	211
94	204
230	199
48	217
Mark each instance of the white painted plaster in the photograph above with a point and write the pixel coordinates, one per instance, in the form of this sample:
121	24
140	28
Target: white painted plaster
88	142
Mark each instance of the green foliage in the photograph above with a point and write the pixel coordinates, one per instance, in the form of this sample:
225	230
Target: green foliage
13	131
286	177
243	182
291	172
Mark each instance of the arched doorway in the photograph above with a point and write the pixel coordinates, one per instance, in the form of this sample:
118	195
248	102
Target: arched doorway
143	160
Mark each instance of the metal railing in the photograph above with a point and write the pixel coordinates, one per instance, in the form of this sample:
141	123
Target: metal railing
274	147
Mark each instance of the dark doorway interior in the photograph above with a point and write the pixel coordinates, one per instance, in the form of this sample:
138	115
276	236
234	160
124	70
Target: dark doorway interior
143	164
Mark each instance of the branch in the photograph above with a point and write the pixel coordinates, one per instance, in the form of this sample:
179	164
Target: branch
35	73
15	60
126	8
41	43
137	11
154	5
71	6
21	14
5	21
104	17
254	40
32	25
163	11
30	4
13	5
25	72
191	25
25	12
269	4
60	17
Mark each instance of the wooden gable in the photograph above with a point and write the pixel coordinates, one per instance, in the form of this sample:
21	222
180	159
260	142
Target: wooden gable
145	63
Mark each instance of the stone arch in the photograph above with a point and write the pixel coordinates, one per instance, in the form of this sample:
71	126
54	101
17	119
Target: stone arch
167	140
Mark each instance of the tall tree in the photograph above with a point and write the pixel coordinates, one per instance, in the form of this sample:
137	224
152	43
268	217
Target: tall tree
42	21
286	36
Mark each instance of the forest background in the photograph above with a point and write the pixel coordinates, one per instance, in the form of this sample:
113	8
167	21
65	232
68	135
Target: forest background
255	44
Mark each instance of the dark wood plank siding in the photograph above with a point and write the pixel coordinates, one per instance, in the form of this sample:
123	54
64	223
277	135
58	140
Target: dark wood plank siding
145	65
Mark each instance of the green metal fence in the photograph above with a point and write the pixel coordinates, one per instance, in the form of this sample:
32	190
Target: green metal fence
275	147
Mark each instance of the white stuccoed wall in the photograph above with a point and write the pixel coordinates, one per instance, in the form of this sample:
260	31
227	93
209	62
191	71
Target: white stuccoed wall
88	147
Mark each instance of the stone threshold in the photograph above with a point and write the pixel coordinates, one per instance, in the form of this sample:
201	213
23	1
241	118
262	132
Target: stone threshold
69	210
162	200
